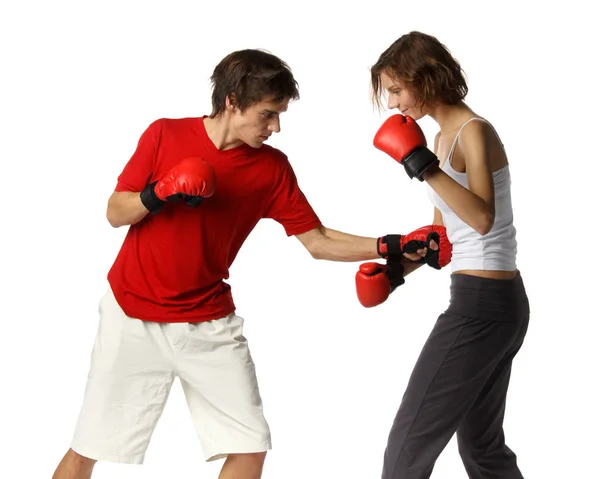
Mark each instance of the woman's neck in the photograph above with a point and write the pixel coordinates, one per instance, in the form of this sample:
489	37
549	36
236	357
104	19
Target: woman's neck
451	117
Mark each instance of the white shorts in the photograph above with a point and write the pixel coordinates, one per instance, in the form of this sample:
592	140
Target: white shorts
133	366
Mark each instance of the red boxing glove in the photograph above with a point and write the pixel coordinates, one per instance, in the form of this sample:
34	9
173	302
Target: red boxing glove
192	180
376	281
420	238
401	137
393	246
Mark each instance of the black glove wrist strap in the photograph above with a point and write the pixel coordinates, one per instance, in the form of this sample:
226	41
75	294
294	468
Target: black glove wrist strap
149	199
388	246
395	273
418	162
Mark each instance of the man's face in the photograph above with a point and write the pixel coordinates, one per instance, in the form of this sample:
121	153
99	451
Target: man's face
400	97
258	122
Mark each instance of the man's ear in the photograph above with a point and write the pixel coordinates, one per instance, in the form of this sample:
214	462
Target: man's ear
230	102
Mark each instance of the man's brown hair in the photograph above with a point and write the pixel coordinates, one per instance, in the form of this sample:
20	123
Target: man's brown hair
249	76
426	68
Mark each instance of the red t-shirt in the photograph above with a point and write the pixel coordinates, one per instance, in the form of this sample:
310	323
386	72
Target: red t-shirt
172	265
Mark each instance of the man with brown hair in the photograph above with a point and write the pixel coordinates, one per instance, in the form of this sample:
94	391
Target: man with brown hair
191	193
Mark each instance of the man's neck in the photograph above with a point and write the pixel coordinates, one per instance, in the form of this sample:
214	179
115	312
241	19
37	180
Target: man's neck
220	133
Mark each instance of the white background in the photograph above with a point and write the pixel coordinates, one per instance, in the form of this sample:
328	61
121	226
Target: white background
80	82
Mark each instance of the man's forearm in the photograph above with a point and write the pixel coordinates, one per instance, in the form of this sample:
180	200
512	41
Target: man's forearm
125	208
343	247
337	246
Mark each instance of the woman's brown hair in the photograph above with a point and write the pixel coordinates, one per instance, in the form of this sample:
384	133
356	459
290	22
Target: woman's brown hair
425	67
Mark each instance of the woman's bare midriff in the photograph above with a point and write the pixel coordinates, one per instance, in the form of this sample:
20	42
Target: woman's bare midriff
488	274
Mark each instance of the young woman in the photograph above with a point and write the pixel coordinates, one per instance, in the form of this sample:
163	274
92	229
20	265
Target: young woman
460	381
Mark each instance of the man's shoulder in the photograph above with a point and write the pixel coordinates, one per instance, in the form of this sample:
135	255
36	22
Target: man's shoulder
278	156
177	128
177	122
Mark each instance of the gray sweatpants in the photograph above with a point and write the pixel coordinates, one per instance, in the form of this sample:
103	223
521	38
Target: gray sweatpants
459	384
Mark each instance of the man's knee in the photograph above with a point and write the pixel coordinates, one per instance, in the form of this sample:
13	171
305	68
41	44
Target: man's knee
252	461
251	458
79	459
74	465
246	466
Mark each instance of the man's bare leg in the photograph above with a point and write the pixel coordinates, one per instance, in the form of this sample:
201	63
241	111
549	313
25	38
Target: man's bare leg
243	466
75	466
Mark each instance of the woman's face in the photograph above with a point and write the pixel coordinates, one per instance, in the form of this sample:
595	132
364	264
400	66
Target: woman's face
401	98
